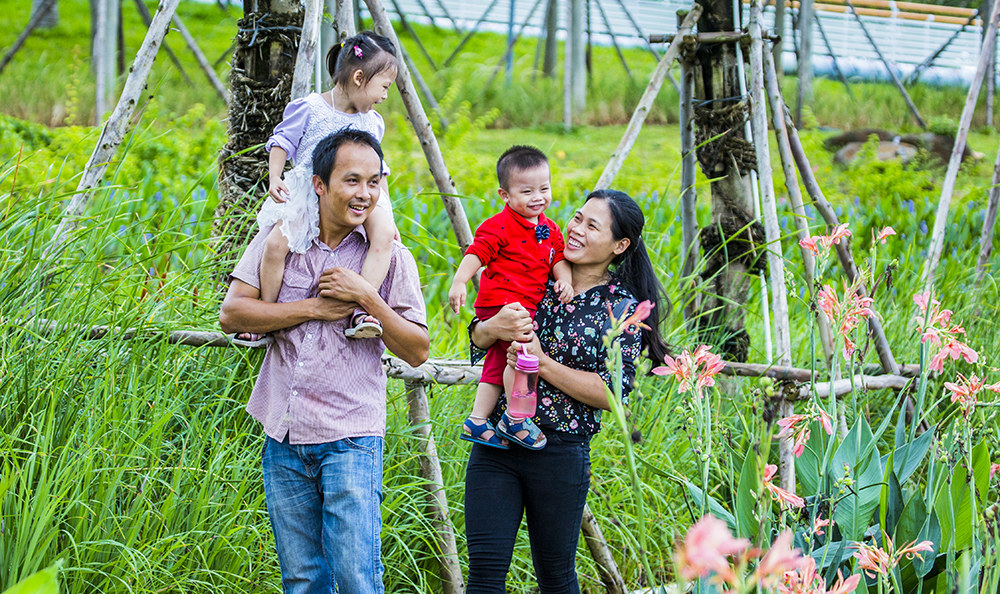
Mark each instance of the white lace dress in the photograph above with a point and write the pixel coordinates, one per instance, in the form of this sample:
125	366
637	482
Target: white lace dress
306	122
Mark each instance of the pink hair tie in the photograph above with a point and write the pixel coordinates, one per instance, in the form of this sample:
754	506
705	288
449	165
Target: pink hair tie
357	52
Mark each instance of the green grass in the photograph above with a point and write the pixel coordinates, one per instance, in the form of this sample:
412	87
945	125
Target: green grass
135	461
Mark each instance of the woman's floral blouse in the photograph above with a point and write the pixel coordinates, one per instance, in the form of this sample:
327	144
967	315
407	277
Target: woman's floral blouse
572	334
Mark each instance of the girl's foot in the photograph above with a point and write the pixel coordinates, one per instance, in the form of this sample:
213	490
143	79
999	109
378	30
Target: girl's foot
363	326
251	340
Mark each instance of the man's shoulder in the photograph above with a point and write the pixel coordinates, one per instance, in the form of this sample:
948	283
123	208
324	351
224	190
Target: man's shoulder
402	256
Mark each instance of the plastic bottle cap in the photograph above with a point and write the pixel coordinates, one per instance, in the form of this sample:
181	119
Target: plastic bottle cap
526	362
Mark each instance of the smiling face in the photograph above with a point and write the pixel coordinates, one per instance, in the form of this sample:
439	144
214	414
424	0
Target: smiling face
347	198
529	192
368	94
589	238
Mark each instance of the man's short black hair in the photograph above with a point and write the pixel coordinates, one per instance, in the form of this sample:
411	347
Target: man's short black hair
325	153
518	158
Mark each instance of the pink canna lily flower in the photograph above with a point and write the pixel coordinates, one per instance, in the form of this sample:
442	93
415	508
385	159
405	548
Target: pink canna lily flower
706	550
818	524
965	390
839	232
806	580
780	559
993	470
810	243
693	371
783	497
634	322
824	420
955	350
879	561
798	427
842	586
884	234
847	314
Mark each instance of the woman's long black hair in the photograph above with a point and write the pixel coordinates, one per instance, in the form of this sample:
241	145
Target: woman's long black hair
633	269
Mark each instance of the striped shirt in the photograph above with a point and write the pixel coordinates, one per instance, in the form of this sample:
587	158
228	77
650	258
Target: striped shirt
316	385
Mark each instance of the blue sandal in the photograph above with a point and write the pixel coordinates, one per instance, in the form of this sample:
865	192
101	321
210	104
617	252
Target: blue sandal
475	434
508	428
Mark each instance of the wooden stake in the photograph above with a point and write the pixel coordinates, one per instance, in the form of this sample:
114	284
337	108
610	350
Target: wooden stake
437	501
598	546
148	19
578	57
422	127
114	130
805	54
780	7
200	57
305	60
989	221
795	196
649	46
568	74
33	22
843	248
646	102
951	175
888	67
772	232
689	199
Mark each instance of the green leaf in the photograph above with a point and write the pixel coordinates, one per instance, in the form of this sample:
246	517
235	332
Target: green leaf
931	530
855	508
911	520
747	495
45	581
981	472
713	505
807	465
883	497
891	507
910	455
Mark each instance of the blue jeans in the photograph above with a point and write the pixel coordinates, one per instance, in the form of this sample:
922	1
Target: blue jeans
549	487
323	501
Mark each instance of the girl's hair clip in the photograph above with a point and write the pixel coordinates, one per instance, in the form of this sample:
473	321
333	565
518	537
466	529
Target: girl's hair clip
357	52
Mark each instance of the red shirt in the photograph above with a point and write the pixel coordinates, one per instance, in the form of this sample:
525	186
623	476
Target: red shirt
517	264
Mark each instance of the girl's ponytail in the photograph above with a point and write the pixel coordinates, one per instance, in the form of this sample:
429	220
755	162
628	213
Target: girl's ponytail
633	268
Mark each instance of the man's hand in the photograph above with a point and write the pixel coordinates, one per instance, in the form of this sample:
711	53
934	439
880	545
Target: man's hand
332	310
343	284
457	296
277	190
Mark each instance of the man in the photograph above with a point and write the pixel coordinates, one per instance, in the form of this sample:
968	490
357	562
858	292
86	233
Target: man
319	396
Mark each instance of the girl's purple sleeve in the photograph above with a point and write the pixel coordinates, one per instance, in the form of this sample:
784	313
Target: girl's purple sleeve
289	132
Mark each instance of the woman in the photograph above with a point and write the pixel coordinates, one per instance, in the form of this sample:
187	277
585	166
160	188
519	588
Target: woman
610	268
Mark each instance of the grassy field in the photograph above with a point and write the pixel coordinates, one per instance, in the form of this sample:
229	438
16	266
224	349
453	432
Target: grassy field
133	459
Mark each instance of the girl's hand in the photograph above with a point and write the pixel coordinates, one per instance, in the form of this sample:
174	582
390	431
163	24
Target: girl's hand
456	297
564	290
277	190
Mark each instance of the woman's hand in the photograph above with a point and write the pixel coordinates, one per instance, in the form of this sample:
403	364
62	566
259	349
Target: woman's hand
512	323
529	347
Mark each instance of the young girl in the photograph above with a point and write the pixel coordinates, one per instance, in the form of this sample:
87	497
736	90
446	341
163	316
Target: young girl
363	68
520	248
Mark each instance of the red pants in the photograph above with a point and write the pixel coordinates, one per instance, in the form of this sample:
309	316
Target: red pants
496	356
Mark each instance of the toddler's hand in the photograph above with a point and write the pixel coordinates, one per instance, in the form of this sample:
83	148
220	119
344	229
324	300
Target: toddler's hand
456	297
277	190
564	290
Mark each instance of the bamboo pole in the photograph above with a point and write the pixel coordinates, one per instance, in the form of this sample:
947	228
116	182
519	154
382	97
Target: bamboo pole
646	102
100	63
951	175
795	197
578	59
888	67
305	60
885	356
989	221
33	22
568	74
649	46
437	502
422	127
114	129
148	19
772	232
689	199
614	40
833	57
343	19
422	85
201	59
780	7
915	74
861	382
512	39
468	36
598	546
409	29
805	53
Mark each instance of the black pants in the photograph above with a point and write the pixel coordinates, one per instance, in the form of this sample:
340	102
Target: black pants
550	487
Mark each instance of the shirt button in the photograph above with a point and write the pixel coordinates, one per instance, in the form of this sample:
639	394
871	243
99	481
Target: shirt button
309	335
295	392
301	363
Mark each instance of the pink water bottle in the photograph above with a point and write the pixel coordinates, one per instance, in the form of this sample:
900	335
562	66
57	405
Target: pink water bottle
521	400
